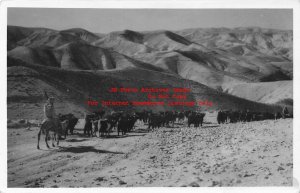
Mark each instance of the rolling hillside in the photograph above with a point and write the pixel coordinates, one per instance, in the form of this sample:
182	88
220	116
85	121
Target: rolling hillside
72	89
233	68
265	92
228	60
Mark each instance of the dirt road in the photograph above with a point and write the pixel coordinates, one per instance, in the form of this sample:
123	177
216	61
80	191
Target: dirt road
241	154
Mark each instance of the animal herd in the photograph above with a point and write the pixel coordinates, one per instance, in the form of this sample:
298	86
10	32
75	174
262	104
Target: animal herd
103	123
125	122
247	116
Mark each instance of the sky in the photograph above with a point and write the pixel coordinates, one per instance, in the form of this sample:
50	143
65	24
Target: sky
108	20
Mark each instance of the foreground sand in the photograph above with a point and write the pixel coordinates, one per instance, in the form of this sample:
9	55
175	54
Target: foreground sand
251	154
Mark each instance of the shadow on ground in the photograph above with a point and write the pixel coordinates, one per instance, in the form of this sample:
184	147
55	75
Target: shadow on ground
210	126
140	131
122	136
75	140
84	149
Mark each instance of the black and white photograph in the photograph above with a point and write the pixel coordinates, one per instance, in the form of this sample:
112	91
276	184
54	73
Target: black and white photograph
136	97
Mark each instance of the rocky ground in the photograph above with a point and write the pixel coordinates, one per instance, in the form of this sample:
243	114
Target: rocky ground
242	154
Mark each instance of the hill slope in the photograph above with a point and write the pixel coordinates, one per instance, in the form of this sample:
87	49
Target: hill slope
224	55
229	60
244	41
35	37
265	92
26	83
77	55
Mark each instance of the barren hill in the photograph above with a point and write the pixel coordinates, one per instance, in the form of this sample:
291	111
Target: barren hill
244	41
35	37
26	83
236	55
77	55
227	59
250	63
265	92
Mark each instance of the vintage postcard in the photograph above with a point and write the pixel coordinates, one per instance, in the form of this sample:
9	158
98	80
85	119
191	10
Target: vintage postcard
112	96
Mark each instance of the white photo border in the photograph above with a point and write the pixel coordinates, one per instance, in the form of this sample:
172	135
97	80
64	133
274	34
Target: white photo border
153	4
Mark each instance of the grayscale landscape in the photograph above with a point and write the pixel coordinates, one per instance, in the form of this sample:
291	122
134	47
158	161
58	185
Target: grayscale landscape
238	69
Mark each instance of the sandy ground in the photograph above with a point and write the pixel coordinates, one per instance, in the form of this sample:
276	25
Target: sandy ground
251	154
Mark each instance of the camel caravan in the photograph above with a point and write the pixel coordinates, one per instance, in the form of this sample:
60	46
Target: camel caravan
103	123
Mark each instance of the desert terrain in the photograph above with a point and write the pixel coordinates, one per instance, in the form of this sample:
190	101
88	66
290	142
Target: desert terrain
234	69
242	154
238	68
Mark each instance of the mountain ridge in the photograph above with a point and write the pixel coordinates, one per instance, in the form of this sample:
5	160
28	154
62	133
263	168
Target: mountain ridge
218	58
